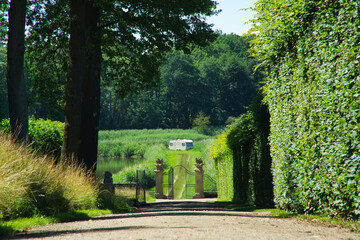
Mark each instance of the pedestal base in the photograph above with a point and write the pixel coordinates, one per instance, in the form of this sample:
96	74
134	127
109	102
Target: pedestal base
199	195
160	196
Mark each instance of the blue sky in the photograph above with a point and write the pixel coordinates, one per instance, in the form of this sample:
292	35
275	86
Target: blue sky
232	19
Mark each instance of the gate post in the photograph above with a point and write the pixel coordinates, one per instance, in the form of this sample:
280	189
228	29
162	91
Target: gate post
199	178
159	178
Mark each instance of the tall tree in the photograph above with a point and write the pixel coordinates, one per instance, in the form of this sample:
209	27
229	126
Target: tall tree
73	93
91	87
145	30
17	99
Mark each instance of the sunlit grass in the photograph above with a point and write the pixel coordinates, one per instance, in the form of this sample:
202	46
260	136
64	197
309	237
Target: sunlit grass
354	225
20	224
135	142
35	184
36	189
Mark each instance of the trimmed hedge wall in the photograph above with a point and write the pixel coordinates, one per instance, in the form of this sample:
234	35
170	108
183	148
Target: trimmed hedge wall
243	159
45	136
222	154
311	52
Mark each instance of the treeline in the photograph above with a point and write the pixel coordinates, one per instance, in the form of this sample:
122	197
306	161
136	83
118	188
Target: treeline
217	81
311	54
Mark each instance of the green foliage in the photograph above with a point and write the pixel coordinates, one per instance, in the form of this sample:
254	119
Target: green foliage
243	159
201	123
45	136
311	54
132	48
217	80
4	111
222	154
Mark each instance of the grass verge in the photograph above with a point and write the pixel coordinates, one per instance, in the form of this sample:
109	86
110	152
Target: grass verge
353	225
8	228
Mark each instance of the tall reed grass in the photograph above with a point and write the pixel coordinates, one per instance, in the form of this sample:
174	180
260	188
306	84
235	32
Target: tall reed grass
128	143
31	183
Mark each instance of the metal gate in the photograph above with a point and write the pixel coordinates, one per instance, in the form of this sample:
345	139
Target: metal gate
140	186
170	185
180	183
210	187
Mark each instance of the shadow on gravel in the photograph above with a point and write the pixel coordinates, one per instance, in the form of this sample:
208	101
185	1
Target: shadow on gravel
173	208
163	208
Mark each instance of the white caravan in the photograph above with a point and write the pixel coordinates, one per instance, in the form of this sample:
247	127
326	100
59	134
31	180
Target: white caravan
181	144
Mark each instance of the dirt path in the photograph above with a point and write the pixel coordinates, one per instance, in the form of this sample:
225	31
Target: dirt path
188	220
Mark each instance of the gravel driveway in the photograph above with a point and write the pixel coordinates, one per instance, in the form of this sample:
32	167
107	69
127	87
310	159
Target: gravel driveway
192	219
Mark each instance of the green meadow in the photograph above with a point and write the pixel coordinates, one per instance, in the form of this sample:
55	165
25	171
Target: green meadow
125	151
135	143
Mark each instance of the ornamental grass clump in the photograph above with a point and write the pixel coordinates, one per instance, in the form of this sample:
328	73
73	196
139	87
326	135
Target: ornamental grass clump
31	183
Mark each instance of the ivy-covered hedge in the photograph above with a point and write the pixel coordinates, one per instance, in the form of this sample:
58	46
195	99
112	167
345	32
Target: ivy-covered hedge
45	136
243	161
311	52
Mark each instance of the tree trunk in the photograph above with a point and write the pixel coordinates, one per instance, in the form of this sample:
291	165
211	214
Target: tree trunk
91	89
18	110
73	92
82	107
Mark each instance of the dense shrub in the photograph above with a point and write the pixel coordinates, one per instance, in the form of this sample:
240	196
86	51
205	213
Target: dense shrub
45	136
311	52
201	124
243	159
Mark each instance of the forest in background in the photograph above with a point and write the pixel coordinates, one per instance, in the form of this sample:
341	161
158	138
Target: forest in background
217	81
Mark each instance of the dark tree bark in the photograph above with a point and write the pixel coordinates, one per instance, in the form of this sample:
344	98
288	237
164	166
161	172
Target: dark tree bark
91	89
82	107
73	92
18	110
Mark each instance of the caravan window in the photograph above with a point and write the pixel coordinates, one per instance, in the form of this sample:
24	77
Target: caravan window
183	144
189	144
171	144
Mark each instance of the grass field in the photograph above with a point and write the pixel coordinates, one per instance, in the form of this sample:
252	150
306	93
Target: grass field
128	143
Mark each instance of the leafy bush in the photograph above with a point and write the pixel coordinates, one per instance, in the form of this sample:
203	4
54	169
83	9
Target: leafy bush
45	136
129	150
311	54
201	124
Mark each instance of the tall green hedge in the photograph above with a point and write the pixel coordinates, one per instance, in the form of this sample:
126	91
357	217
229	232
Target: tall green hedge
243	159
45	136
310	50
222	155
